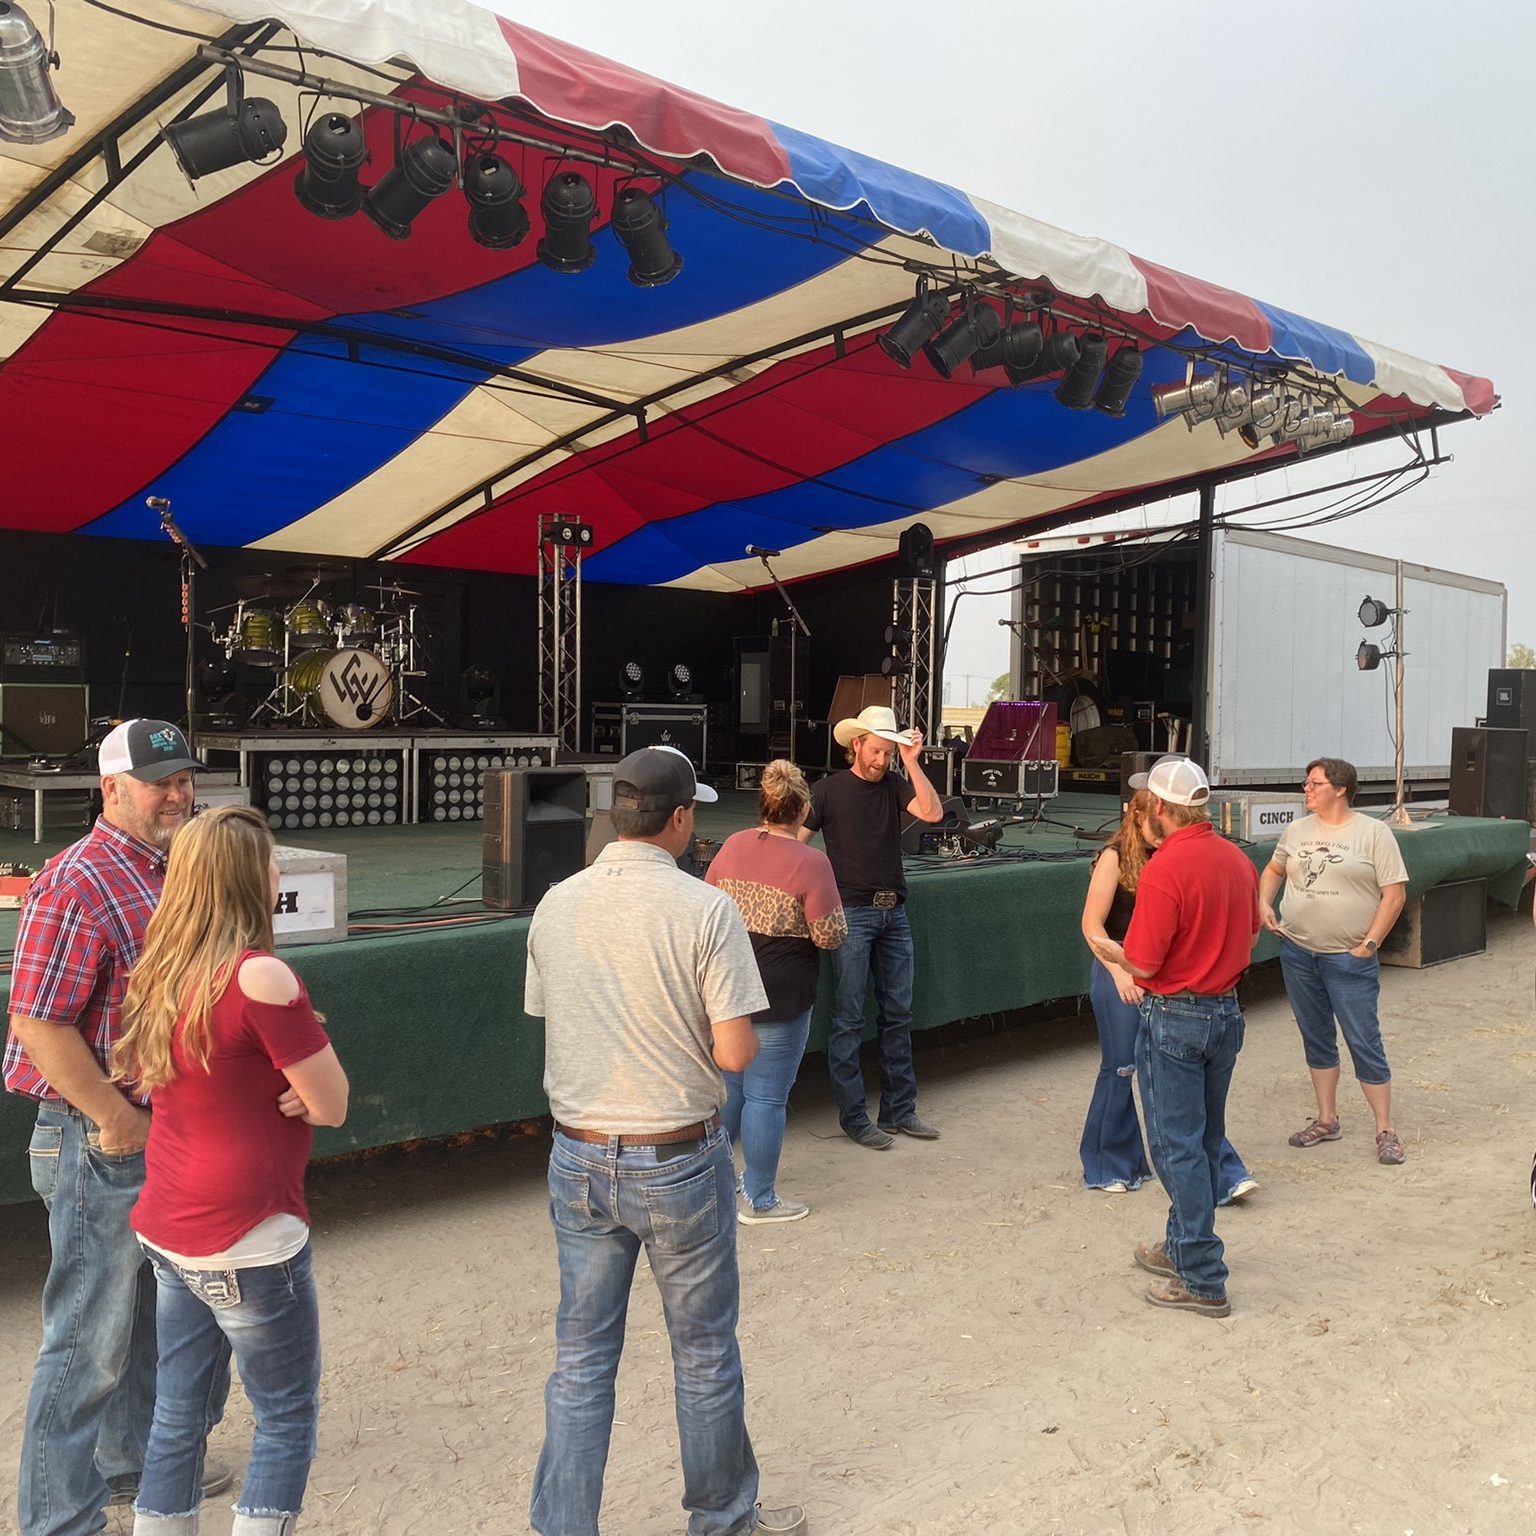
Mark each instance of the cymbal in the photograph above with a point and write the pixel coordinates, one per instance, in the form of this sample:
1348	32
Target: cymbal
320	570
268	585
390	587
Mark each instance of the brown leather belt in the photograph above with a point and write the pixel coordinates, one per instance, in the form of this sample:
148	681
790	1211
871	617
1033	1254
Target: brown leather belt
695	1132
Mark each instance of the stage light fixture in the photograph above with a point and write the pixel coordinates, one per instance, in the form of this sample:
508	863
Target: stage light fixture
680	681
1324	430
494	192
334	152
1121	374
569	205
1059	352
1197	400
921	319
631	681
1368	657
1374	613
245	130
571	533
424	170
642	230
1016	348
974	327
30	109
1077	388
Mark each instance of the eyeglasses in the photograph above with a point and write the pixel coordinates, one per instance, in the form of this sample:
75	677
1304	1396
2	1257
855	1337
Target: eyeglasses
1315	784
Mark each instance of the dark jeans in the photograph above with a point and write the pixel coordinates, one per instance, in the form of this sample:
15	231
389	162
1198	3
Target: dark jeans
1111	1146
1185	1054
878	946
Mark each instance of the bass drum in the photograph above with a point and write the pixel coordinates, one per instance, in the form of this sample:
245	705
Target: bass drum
349	689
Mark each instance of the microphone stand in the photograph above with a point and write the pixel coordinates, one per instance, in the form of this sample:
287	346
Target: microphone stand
794	648
191	563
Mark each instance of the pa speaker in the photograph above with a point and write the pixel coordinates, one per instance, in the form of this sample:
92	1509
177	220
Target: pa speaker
535	833
42	719
1512	698
1488	772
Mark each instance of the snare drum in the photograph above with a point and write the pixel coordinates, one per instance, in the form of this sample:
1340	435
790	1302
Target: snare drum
349	689
309	625
357	626
256	637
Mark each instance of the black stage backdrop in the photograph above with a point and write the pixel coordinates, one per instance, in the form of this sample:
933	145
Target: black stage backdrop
122	597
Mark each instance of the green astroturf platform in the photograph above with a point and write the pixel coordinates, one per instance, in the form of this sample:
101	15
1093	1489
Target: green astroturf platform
430	1024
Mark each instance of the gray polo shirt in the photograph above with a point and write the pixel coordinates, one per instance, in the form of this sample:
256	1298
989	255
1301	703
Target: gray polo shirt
629	963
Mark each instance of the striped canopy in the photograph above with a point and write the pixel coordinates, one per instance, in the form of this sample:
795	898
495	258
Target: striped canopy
301	384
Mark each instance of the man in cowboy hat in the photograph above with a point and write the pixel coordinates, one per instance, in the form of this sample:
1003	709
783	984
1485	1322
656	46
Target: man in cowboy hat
858	814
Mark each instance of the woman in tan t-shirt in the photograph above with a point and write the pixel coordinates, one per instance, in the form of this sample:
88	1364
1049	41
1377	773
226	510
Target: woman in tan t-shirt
1344	884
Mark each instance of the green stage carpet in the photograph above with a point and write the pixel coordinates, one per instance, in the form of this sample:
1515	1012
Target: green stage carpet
430	1026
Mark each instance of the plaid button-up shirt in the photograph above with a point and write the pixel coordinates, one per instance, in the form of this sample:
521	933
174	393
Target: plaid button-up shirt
81	930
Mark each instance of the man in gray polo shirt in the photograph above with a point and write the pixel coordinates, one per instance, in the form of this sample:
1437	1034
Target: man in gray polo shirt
646	981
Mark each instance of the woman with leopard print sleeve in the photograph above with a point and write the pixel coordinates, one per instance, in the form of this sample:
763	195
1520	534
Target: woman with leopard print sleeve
789	902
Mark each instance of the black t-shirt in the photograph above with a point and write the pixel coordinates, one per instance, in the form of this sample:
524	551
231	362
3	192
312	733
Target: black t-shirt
860	823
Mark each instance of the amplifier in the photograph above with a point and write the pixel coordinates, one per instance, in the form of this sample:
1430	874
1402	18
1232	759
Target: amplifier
41	659
939	764
43	719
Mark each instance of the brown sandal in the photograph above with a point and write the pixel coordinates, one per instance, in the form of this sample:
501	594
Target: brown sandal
1319	1130
1389	1149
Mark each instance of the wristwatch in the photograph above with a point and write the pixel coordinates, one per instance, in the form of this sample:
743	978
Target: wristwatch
1371	945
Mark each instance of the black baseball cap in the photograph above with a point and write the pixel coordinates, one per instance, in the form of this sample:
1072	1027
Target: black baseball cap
657	779
149	750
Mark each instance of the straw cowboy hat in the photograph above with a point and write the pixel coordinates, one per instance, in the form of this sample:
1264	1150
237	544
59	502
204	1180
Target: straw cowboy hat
877	720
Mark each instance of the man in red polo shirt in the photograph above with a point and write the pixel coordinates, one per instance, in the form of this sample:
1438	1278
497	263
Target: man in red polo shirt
1192	931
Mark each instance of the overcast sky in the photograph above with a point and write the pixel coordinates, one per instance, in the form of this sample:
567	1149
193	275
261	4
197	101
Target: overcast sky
1365	164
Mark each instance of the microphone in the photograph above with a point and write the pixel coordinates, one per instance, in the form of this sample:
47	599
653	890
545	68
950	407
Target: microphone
764	554
158	503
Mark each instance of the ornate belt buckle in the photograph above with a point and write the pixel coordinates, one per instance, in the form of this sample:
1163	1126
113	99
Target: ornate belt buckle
885	900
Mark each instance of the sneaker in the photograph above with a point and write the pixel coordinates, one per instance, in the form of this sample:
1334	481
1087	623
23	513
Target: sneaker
788	1521
1116	1187
217	1476
1389	1149
781	1210
1153	1257
911	1126
870	1136
1241	1190
1172	1293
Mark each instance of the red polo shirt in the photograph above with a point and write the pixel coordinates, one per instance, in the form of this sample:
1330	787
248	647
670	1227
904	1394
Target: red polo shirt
1197	910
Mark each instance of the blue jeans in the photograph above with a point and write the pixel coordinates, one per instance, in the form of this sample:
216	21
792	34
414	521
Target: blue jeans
1322	988
754	1103
1111	1146
680	1203
1185	1053
269	1317
879	945
87	1418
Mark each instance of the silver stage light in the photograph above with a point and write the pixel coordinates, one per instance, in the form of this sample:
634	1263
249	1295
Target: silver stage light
30	109
1196	400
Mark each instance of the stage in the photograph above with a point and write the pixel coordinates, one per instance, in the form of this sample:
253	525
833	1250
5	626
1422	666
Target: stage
428	1019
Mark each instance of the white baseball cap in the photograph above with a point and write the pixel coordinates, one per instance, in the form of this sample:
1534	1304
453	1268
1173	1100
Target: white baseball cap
1178	780
149	750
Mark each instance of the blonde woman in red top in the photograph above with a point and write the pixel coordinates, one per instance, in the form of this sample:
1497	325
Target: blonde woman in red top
238	1069
790	904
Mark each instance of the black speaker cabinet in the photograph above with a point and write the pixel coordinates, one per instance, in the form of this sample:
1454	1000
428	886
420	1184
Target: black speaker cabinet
535	833
1445	923
1512	699
1488	772
42	719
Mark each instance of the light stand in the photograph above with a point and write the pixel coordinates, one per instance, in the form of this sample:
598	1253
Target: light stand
765	555
1372	614
191	564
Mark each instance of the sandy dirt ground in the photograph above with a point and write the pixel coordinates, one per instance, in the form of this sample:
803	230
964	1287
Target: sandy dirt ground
956	1340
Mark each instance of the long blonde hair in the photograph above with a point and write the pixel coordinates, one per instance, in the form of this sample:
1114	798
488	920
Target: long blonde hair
1130	842
217	905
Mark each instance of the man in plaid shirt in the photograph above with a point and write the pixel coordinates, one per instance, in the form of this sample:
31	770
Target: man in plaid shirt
81	930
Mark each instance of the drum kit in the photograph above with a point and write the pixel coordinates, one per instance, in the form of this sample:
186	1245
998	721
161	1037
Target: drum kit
339	665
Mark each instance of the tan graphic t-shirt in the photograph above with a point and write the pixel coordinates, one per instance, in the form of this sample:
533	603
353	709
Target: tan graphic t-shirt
1334	877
